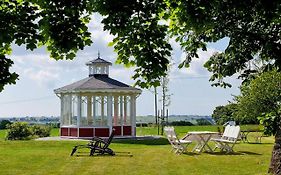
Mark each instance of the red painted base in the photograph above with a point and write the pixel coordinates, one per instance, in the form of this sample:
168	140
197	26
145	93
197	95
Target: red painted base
91	132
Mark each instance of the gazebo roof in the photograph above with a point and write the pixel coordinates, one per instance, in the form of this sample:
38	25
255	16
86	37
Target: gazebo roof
99	61
97	83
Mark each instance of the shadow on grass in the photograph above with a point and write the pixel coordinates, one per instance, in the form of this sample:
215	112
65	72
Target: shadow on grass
234	153
256	143
191	154
154	141
117	154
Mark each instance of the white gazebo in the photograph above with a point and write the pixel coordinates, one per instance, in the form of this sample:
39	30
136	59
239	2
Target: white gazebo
94	105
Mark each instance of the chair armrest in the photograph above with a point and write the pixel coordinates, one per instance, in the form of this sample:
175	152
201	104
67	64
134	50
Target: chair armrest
97	140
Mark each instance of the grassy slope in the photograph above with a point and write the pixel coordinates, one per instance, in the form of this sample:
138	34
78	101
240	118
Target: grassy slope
148	157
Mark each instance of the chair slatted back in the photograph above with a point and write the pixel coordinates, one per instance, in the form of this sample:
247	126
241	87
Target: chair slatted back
109	139
171	135
226	132
231	133
235	133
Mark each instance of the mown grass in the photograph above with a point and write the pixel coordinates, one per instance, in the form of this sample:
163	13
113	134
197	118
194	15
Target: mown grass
144	157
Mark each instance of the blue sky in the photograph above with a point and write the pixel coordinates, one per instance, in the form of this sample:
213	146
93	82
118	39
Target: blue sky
33	94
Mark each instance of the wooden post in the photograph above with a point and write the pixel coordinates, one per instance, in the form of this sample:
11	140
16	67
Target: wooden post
158	125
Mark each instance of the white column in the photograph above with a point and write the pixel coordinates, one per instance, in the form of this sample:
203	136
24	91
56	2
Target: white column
70	109
94	110
115	110
121	114
79	103
133	114
102	110
107	70
61	110
109	112
89	110
125	110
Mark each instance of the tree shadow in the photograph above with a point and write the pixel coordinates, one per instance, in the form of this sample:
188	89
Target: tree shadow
234	153
148	141
117	154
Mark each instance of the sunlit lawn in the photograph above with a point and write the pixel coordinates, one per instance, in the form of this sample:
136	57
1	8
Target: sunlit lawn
146	157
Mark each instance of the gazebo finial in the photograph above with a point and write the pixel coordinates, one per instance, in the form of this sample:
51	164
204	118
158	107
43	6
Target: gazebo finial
98	54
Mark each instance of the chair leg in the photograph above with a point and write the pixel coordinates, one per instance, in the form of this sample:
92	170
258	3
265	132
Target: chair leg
92	151
73	151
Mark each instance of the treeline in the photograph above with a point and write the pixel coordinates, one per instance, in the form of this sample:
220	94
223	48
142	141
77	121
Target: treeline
200	122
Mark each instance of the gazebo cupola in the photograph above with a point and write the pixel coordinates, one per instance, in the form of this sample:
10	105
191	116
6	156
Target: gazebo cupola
95	105
98	66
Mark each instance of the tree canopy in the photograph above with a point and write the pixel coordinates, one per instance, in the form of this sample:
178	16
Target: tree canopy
222	114
142	29
59	25
261	99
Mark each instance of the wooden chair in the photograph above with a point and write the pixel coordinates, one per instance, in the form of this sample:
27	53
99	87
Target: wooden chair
178	146
228	139
97	145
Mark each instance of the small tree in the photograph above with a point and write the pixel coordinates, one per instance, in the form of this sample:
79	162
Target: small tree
165	100
262	99
4	124
222	114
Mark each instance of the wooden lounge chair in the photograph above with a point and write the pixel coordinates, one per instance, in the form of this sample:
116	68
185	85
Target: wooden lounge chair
178	146
228	139
97	145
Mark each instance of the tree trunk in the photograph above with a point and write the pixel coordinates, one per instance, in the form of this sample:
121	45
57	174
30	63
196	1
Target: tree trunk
275	164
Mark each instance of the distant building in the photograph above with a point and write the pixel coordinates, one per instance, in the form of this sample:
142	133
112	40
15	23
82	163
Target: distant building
94	105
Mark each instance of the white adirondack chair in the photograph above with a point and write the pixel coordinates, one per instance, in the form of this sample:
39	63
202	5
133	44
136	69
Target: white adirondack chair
178	146
228	139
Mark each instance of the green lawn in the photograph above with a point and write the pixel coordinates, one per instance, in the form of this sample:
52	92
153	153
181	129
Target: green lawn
148	157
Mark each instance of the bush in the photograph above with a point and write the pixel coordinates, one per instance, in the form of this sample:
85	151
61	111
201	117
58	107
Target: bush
202	122
41	131
22	131
181	123
141	124
4	124
19	131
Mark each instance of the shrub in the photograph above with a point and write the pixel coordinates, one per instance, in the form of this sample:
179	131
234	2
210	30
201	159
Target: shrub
22	131
41	131
4	124
180	123
141	124
19	131
202	122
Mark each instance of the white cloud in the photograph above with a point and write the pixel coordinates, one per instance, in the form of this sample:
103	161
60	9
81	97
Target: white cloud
196	68
44	77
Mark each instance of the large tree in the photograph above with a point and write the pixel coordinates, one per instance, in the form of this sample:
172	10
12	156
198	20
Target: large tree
60	25
142	29
262	99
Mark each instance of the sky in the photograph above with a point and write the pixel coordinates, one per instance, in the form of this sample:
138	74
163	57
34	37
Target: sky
33	95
